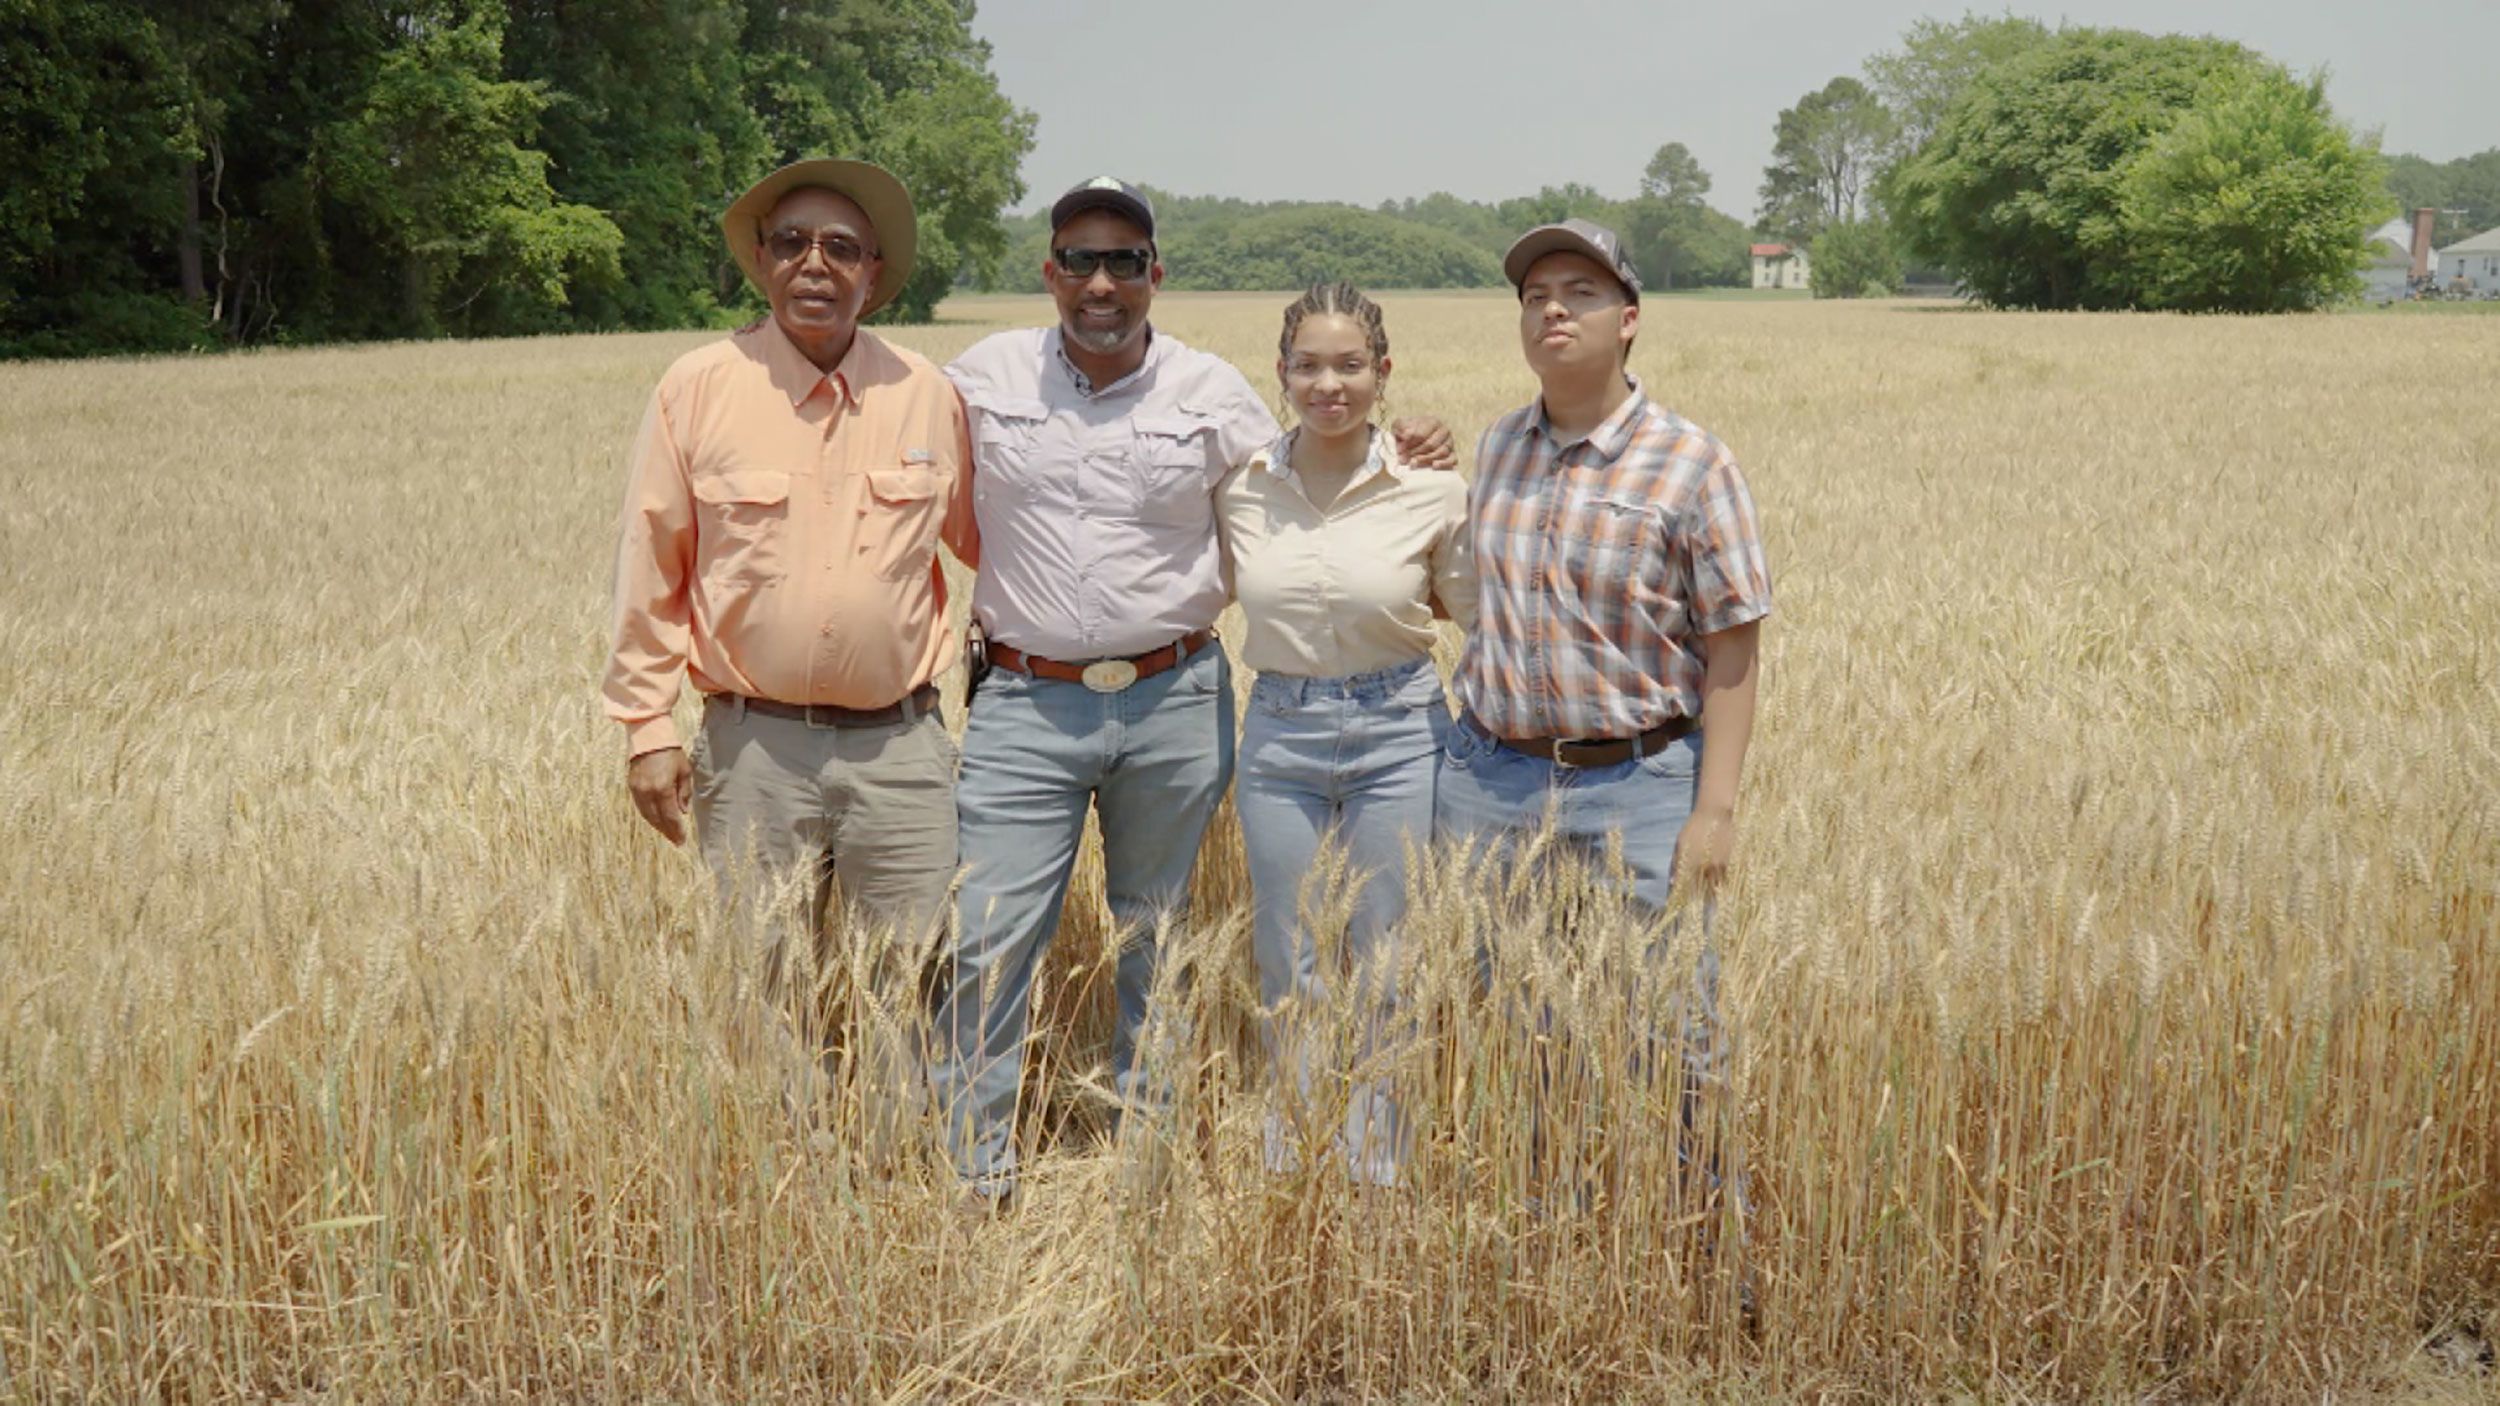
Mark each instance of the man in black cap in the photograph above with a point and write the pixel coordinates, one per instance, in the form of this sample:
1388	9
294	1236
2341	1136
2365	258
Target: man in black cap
1098	445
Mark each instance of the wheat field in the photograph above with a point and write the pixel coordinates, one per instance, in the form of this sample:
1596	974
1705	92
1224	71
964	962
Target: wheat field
2114	947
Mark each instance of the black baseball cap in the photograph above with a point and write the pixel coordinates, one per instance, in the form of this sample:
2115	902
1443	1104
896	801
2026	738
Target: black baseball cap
1580	237
1105	193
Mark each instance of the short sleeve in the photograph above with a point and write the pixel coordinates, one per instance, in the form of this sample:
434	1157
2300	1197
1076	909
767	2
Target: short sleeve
1244	426
1721	547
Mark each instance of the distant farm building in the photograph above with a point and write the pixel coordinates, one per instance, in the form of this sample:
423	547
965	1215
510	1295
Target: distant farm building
2387	277
2401	262
2475	261
1779	266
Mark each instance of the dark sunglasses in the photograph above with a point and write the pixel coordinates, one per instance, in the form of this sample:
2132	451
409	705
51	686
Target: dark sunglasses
788	246
1126	265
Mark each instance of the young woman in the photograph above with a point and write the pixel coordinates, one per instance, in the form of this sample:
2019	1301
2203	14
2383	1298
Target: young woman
1339	554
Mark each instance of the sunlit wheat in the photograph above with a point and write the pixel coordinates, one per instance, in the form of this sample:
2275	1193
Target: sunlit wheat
2114	954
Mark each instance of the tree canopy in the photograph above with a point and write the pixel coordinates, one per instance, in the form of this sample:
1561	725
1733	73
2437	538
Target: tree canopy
204	172
2110	169
1825	154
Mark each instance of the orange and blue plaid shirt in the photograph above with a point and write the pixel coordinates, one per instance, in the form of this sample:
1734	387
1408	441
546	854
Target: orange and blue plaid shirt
1602	562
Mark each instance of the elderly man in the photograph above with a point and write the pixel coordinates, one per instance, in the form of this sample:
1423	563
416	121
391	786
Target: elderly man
1100	442
790	486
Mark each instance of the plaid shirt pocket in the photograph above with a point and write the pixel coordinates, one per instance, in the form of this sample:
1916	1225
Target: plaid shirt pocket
1615	552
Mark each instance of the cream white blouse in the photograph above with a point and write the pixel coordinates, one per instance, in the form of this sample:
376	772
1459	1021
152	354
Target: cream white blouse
1348	589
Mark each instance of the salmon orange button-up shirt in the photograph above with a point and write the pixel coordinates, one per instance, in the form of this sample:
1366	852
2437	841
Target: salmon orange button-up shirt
781	528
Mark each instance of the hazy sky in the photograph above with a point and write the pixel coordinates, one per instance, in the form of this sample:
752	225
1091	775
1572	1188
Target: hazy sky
1363	100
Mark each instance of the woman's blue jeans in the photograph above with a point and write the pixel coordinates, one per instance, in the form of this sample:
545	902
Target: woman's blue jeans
1347	765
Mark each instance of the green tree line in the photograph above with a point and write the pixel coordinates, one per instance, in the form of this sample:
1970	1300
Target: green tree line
194	173
1439	241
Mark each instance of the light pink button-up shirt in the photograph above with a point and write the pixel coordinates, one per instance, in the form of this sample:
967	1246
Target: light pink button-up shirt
1097	504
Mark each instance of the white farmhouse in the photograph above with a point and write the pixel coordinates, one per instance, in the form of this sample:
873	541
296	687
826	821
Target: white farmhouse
2475	260
1779	266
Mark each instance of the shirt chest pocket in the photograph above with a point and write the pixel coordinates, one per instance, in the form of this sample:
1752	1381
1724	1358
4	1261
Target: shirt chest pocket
906	507
1173	469
1005	433
741	520
1619	551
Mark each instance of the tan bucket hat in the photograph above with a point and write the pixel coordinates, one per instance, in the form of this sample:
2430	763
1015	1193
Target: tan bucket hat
870	186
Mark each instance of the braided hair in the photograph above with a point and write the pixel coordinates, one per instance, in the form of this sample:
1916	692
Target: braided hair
1344	300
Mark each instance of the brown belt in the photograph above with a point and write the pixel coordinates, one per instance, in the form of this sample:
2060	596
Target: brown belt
1598	751
1102	675
919	703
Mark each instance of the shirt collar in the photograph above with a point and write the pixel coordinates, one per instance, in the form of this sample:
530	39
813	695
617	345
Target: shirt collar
1614	433
798	377
1155	350
1277	458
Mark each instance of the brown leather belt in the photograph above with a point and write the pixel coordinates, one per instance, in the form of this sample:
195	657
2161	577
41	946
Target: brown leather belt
1598	751
921	702
1102	675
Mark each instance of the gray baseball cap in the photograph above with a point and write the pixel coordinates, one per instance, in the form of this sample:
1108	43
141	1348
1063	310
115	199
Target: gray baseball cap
1580	237
1105	193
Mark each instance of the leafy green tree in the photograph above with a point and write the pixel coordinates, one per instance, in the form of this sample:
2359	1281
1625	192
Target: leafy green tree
957	146
1824	156
1936	63
434	163
1676	239
646	120
2019	193
93	114
1853	259
2255	201
1674	177
907	83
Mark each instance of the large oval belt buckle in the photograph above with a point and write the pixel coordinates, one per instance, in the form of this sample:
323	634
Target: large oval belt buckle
1110	675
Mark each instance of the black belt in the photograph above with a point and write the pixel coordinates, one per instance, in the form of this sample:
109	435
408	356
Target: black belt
1597	751
918	704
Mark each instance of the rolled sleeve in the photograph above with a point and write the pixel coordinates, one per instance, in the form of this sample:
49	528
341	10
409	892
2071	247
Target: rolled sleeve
654	560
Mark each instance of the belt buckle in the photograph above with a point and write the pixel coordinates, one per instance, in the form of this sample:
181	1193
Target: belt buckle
1562	756
1110	675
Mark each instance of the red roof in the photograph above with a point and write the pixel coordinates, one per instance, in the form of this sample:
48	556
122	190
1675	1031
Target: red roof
1769	251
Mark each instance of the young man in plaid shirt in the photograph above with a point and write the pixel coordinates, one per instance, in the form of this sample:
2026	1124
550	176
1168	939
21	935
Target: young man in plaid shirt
1623	590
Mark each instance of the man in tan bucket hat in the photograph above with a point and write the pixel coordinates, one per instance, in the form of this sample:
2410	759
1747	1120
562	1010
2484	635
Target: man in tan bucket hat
790	486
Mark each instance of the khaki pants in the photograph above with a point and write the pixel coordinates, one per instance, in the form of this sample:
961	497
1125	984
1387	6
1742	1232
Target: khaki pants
844	837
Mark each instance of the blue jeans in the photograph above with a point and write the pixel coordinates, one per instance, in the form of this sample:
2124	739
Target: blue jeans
1153	760
1493	798
1347	762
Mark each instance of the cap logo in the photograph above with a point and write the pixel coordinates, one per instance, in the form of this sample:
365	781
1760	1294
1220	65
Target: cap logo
1103	183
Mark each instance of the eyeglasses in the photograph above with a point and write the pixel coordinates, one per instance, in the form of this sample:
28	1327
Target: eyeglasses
789	246
1126	265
